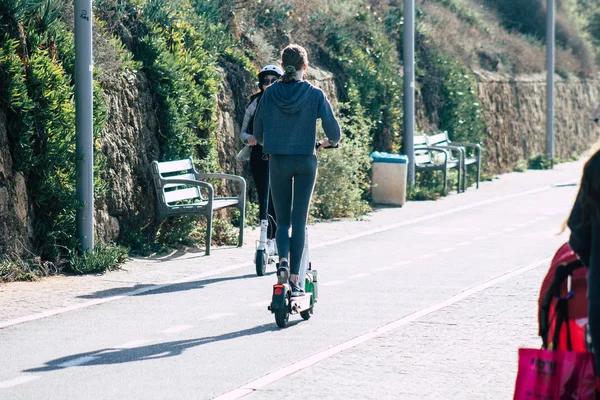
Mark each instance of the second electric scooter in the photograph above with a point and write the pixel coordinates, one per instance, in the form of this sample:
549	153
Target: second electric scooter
265	254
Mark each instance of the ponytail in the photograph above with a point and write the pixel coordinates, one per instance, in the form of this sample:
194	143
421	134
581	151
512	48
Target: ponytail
293	58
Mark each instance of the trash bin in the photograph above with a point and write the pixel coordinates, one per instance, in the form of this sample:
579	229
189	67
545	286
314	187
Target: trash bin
389	178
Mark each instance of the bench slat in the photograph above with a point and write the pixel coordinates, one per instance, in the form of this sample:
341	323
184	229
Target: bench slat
182	194
174	166
191	177
420	140
222	203
422	158
439	139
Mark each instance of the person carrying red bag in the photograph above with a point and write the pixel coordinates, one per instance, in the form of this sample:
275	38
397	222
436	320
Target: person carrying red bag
584	223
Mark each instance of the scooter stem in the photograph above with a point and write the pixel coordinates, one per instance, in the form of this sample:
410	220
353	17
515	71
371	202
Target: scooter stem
264	226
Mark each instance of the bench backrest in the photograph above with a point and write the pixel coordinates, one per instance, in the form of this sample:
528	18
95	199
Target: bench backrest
439	139
175	192
422	156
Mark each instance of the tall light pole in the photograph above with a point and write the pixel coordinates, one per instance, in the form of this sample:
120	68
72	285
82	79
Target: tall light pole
84	122
409	86
550	37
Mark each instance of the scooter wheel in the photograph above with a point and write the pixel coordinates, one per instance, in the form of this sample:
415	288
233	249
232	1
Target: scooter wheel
282	315
306	314
261	262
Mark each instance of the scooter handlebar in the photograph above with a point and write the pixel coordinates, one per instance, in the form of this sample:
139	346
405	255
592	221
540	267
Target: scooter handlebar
318	144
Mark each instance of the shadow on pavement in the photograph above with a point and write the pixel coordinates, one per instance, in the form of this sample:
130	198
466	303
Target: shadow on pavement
149	352
188	252
178	287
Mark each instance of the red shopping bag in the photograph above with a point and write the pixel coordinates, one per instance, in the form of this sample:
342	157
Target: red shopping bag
555	375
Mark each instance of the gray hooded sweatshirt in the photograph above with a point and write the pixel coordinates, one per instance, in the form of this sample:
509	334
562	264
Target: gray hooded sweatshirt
286	119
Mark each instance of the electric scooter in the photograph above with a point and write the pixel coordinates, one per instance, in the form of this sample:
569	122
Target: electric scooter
283	304
264	254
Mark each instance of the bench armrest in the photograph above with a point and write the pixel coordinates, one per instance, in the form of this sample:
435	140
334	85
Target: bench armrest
432	148
460	150
189	182
475	146
236	178
217	175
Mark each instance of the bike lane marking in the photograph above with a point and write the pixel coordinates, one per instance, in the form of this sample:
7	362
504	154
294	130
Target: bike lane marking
18	381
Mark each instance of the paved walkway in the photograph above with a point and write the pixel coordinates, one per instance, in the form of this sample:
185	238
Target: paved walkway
22	301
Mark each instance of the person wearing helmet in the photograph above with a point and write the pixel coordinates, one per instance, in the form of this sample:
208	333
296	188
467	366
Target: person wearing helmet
259	162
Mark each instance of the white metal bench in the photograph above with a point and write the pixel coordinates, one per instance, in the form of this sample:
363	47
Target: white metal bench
433	158
443	140
179	192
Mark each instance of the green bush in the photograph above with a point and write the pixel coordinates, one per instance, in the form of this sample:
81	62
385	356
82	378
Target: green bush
429	185
521	166
539	162
104	257
37	95
252	211
343	180
178	46
369	70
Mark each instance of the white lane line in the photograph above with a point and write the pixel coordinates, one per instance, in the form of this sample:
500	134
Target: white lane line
132	344
332	283
320	356
217	316
18	381
424	257
358	276
77	361
380	269
466	243
433	216
218	271
177	329
404	262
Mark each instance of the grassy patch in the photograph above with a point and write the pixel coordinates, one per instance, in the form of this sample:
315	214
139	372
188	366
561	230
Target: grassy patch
17	269
104	257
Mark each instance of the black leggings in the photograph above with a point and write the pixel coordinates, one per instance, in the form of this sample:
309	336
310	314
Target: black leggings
293	180
260	172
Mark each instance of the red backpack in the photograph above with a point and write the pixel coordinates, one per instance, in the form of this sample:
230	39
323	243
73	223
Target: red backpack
563	303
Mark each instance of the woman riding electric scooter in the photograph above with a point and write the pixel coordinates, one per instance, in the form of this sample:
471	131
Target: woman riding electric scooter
259	162
285	124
